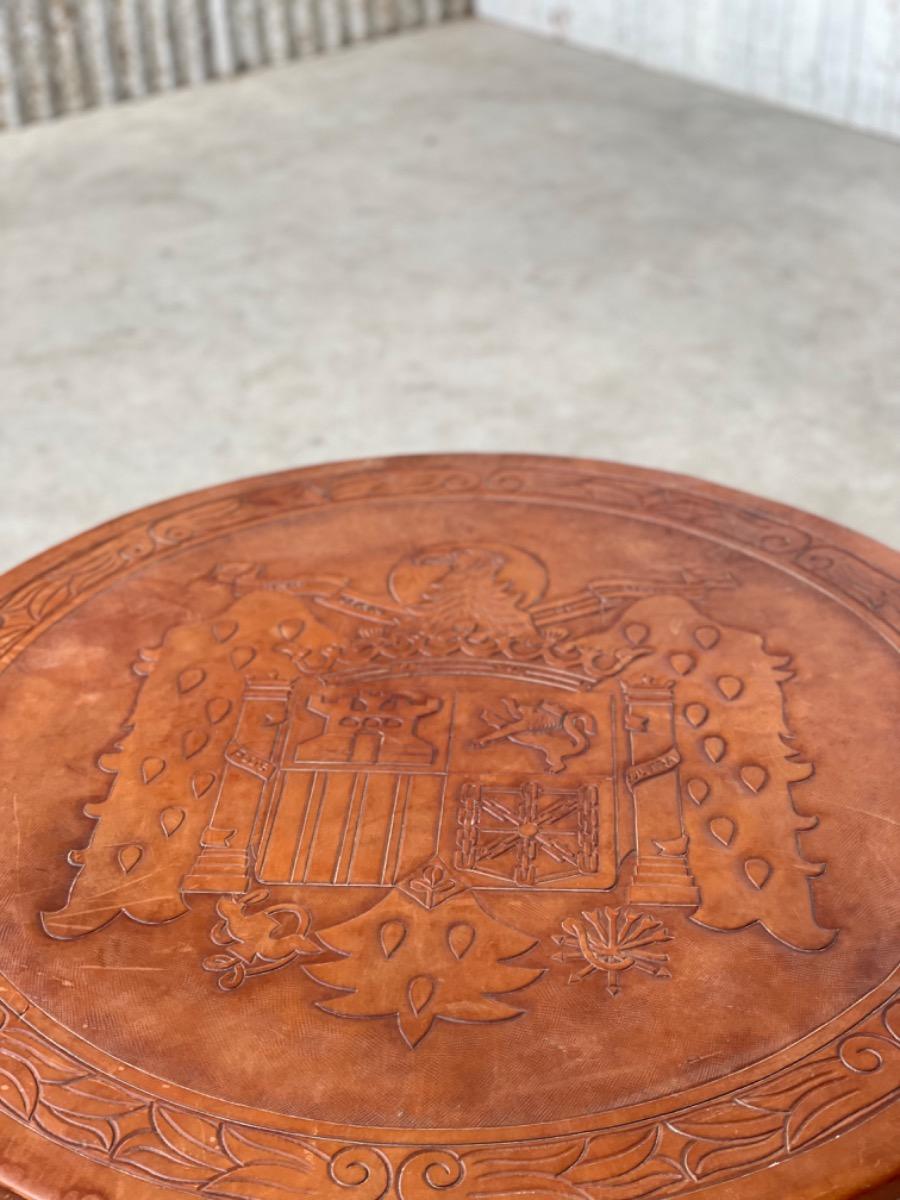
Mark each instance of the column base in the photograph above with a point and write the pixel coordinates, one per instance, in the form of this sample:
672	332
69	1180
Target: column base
219	871
661	880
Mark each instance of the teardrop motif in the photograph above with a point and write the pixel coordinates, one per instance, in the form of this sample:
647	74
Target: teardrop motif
696	714
758	871
754	777
460	938
636	633
420	991
706	636
217	709
683	663
171	820
391	935
152	768
698	790
129	857
193	742
730	686
200	784
242	656
714	748
190	678
722	829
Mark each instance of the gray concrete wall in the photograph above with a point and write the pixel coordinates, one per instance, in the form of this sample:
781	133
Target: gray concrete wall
62	56
839	59
465	238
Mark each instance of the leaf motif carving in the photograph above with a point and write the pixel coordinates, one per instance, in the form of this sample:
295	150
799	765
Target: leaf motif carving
274	1167
727	1122
480	1010
659	1177
626	1164
247	1146
537	1171
49	1064
147	1151
551	1158
782	1093
82	1133
18	1085
89	1097
191	1137
819	1110
612	1157
704	1159
262	1181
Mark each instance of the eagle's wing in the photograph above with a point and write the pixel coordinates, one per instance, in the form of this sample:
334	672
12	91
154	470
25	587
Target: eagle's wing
739	765
169	759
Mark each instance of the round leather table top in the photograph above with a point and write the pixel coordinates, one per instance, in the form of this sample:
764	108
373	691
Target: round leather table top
466	827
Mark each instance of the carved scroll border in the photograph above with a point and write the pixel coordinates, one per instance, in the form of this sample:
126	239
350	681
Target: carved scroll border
115	1124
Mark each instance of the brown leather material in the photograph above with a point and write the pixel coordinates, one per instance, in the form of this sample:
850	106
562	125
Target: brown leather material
467	826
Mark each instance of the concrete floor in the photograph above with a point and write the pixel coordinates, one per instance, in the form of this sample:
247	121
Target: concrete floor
463	238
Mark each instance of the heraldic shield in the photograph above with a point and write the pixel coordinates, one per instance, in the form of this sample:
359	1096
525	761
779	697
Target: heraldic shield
369	782
460	738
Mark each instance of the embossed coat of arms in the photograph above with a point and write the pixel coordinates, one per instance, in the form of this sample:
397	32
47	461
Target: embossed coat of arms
464	734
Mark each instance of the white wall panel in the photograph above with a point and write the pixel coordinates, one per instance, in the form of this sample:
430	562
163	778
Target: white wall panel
837	58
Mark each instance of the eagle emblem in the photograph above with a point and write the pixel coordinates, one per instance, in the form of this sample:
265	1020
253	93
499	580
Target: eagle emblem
462	737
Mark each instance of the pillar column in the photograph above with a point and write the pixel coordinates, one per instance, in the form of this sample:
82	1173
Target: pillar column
661	874
225	862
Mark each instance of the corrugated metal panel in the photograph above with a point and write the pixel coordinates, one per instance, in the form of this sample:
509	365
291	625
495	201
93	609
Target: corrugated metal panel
62	56
837	58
